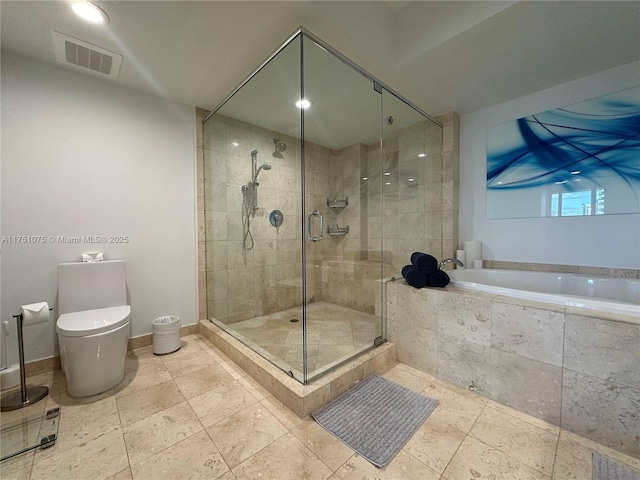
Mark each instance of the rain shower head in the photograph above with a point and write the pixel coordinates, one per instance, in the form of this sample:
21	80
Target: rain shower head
280	146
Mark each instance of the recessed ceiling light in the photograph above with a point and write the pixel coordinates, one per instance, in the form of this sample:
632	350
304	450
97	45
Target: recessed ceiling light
575	172
235	144
410	180
365	178
90	12
422	155
560	183
303	103
388	183
387	173
499	183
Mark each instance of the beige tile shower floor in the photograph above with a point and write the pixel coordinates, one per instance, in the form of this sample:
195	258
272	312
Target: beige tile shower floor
334	334
193	414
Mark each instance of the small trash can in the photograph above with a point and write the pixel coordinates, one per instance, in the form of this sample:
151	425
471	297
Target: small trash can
166	335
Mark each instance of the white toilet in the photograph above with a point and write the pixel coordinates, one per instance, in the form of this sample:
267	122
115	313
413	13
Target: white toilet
93	326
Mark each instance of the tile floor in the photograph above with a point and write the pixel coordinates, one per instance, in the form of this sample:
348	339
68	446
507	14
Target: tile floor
334	333
194	414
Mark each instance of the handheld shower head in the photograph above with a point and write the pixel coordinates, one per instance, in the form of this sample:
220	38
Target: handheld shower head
265	166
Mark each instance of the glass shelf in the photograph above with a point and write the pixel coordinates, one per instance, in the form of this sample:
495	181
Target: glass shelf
29	433
337	231
336	203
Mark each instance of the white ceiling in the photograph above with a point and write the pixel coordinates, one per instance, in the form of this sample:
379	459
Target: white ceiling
443	56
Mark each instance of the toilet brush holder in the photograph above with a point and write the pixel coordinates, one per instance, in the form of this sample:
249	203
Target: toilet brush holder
26	396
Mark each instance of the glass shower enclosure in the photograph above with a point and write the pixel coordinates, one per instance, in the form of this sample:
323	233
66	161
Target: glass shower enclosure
309	167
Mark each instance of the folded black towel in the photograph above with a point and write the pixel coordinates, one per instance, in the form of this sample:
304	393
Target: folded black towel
414	277
438	279
424	262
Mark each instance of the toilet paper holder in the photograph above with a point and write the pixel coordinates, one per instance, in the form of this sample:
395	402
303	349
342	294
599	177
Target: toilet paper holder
26	396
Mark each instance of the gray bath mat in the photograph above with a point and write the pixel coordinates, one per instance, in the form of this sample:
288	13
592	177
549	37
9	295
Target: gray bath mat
606	469
376	417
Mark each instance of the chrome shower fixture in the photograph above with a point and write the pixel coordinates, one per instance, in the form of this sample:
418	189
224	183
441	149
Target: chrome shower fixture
255	170
280	146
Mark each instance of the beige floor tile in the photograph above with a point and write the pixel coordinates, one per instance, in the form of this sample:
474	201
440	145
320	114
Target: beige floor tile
531	445
454	409
86	422
143	378
227	476
189	363
434	444
285	416
16	415
58	381
17	468
475	459
284	459
188	347
140	359
203	380
156	432
68	403
476	397
327	447
537	422
123	475
219	403
417	373
401	375
244	433
143	403
193	457
402	467
572	461
596	447
101	457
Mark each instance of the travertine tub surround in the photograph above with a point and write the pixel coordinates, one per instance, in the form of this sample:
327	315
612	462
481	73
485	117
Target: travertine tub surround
549	267
576	368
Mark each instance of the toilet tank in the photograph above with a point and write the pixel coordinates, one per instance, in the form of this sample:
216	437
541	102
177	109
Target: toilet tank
87	286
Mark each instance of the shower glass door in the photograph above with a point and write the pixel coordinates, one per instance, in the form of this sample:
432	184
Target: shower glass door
253	213
416	218
318	184
342	210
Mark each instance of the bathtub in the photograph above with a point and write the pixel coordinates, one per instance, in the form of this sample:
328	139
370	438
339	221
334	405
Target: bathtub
616	295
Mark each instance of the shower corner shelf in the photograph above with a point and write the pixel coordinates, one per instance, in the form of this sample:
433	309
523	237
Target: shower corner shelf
336	203
337	231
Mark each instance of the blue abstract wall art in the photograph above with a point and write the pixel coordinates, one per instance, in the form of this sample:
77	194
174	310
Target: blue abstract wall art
582	159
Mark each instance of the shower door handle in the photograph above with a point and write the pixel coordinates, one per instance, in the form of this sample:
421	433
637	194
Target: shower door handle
315	213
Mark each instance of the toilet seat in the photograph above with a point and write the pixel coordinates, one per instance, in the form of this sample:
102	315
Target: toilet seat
91	322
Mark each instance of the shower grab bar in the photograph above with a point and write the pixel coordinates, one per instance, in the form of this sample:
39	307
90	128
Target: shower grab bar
315	213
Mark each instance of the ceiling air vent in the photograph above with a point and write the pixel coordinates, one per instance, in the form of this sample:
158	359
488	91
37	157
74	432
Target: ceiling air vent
83	55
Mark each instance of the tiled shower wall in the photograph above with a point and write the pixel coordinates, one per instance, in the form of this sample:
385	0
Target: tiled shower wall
245	283
418	210
340	269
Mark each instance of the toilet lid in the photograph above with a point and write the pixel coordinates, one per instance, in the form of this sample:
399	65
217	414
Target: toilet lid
91	322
